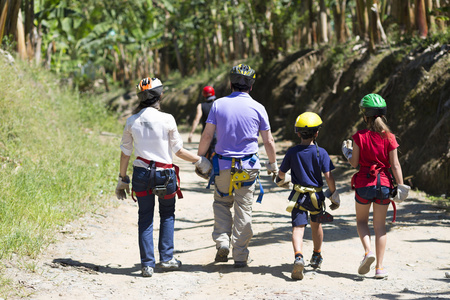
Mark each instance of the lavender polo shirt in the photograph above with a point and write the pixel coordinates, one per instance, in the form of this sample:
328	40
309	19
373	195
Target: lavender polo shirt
238	119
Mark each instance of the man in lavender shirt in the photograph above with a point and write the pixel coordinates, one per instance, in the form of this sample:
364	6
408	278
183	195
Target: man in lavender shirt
237	120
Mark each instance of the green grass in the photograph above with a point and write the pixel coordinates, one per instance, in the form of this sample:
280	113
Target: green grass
54	164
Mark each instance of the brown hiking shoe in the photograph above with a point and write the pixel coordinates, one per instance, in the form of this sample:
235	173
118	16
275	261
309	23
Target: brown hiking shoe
222	254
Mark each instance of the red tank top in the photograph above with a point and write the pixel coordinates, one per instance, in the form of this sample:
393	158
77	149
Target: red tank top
373	158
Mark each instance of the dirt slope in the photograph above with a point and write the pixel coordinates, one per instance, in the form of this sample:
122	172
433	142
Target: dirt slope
97	257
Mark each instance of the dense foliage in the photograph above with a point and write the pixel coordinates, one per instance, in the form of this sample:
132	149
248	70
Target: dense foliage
118	40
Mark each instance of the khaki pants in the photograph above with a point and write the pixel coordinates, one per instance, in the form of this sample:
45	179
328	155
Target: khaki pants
239	228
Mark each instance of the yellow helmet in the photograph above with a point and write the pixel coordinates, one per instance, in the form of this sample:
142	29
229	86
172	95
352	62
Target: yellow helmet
308	123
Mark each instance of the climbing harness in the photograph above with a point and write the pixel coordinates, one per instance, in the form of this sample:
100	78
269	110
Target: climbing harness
302	190
373	171
159	190
317	209
239	177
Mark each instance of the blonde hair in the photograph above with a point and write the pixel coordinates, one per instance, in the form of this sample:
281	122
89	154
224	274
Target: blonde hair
378	124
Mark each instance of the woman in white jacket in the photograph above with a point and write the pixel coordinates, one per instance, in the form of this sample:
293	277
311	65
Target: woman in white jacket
155	136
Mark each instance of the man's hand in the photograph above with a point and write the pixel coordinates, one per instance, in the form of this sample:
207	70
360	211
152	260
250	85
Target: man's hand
203	167
272	168
347	148
284	183
190	137
123	187
402	192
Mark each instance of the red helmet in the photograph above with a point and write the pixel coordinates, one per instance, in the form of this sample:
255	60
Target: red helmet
208	91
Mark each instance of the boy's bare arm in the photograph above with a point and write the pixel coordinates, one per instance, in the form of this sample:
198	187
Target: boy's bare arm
330	181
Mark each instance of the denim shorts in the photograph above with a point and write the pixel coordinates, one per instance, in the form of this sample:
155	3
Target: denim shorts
370	193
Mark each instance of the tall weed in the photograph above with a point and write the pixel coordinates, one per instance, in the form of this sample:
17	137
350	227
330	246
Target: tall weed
54	163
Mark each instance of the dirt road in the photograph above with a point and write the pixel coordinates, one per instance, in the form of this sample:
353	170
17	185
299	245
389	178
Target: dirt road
97	256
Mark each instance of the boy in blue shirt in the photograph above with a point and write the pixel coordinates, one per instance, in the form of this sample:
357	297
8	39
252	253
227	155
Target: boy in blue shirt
307	161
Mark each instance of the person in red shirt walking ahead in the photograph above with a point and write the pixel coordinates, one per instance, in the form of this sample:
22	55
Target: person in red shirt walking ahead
375	151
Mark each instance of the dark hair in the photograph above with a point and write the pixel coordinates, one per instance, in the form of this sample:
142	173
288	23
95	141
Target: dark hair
240	87
154	102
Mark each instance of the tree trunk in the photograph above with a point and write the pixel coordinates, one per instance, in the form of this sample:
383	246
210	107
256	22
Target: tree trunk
29	17
3	17
14	15
255	39
421	19
198	57
38	52
323	22
207	51
440	23
177	54
220	42
339	17
312	20
363	19
157	63
230	32
48	61
430	18
243	40
382	34
21	46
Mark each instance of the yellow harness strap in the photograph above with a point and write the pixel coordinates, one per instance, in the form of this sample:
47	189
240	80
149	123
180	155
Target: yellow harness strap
301	190
237	178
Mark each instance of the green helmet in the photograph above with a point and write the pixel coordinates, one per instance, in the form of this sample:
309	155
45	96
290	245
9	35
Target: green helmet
373	105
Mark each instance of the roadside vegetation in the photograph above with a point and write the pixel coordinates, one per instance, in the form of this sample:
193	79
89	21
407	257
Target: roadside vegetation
55	163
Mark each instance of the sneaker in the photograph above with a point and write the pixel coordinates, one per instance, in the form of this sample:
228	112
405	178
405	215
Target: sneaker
297	271
222	254
173	264
380	273
364	267
316	260
147	271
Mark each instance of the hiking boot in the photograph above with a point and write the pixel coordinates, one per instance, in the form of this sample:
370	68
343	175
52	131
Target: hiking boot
316	260
147	271
242	264
364	267
381	273
297	271
173	264
222	254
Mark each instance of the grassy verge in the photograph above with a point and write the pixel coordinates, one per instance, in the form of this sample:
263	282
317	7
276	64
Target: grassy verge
55	165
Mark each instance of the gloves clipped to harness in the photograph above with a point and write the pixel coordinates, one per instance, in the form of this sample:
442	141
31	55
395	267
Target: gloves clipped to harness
347	148
123	187
203	167
334	198
272	168
284	183
402	192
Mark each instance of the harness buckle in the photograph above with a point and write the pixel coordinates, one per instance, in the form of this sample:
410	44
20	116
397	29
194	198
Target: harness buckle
161	190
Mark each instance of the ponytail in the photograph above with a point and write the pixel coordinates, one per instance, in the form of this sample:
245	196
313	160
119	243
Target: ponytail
378	124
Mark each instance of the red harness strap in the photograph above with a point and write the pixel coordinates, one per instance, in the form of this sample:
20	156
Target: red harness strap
164	166
373	172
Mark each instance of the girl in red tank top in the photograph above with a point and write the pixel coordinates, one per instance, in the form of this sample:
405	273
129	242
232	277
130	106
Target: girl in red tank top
375	152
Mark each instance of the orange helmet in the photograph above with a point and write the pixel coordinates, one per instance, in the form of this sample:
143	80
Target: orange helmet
208	91
149	88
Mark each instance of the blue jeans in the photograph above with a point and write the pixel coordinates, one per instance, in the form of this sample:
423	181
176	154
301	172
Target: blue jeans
145	221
